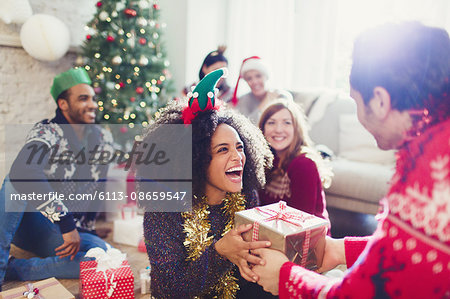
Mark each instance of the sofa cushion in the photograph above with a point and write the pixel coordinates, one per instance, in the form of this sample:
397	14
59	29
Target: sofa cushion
326	130
359	180
306	98
357	144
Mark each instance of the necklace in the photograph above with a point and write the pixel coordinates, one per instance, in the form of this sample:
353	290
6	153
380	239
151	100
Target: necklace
197	227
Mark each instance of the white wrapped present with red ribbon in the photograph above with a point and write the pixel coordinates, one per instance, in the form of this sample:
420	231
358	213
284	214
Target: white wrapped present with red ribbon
109	276
301	236
128	211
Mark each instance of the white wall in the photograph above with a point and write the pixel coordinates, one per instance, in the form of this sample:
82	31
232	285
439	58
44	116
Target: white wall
173	13
194	28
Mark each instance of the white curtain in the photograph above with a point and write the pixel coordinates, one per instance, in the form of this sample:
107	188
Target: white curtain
307	43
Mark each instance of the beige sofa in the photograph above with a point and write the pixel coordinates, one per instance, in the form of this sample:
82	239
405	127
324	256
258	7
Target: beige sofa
361	170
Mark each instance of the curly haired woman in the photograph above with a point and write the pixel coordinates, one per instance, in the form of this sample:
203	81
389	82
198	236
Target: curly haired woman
229	157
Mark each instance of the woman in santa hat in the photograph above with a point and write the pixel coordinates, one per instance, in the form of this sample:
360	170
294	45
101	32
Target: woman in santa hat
255	73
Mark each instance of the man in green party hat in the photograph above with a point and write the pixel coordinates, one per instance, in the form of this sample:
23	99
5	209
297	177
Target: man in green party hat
56	234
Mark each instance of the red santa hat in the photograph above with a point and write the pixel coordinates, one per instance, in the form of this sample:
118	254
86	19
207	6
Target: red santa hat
253	63
248	64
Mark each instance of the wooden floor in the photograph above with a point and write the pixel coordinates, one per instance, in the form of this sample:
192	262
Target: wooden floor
138	260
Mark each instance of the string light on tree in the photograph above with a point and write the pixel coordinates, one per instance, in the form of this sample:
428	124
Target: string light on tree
132	55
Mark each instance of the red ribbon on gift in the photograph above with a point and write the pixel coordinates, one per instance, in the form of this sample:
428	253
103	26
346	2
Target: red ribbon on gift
30	288
130	207
296	218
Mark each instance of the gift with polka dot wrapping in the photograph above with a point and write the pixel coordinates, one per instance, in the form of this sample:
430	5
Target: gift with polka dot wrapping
112	283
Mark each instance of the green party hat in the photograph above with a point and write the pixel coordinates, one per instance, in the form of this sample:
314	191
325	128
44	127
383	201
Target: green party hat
203	96
68	79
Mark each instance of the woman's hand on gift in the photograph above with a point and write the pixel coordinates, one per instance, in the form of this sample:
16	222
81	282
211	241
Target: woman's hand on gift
70	246
236	250
269	272
334	254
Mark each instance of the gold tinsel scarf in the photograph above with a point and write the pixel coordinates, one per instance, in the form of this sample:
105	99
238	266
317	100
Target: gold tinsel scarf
197	226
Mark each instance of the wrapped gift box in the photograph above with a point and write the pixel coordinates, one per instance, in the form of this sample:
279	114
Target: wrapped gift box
141	246
299	235
48	289
129	231
109	276
116	184
144	275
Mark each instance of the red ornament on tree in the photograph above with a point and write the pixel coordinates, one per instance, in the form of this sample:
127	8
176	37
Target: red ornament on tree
159	82
142	41
110	38
121	84
139	90
133	99
123	130
88	37
157	25
156	6
131	13
99	4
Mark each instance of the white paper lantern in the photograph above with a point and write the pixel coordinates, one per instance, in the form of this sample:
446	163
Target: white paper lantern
15	11
45	37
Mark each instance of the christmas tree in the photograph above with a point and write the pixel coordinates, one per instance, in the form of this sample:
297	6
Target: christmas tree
125	58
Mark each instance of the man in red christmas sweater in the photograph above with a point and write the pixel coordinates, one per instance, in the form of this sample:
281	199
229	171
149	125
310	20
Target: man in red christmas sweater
400	83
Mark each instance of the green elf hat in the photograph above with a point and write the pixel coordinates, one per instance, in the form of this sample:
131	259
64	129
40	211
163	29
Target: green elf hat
68	79
203	95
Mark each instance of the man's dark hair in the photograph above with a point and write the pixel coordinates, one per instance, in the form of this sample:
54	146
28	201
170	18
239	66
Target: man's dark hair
63	95
411	61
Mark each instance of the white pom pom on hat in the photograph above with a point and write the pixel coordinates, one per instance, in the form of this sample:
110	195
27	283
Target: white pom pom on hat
254	63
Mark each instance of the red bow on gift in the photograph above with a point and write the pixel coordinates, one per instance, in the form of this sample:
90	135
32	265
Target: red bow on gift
296	218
